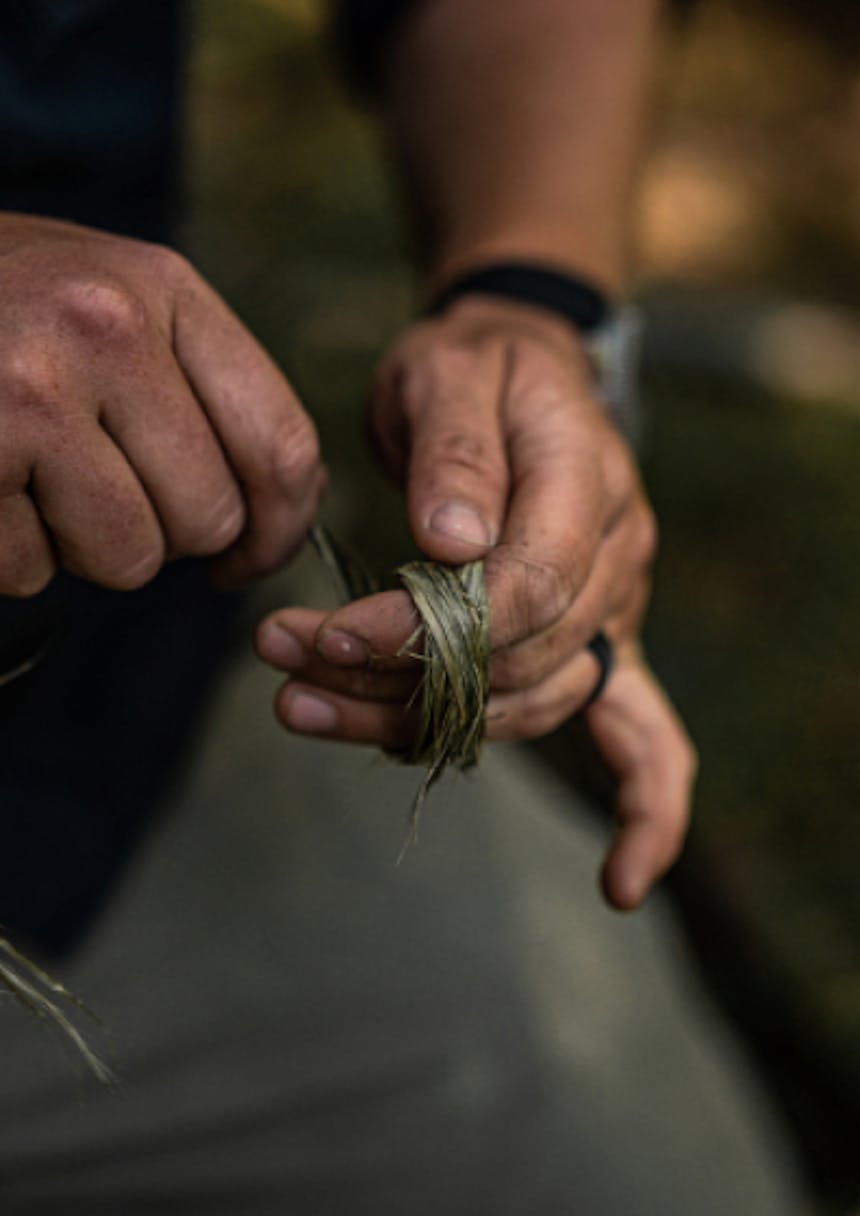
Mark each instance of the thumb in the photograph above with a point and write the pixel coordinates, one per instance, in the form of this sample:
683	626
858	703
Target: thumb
457	475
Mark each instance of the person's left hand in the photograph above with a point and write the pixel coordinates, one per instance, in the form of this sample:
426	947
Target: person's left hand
488	415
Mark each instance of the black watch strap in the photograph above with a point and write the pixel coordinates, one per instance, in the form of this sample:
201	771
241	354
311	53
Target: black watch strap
576	300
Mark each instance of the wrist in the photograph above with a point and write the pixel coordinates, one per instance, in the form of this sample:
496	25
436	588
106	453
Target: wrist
564	307
575	299
607	270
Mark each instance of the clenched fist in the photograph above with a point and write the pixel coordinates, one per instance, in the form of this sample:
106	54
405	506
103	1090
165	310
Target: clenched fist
139	420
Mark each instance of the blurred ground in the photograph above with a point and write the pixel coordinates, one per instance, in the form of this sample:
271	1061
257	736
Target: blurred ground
750	235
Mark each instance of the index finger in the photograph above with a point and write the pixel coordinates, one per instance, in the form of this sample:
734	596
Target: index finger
560	506
269	440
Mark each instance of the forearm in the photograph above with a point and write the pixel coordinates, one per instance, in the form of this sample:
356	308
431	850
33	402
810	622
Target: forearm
518	125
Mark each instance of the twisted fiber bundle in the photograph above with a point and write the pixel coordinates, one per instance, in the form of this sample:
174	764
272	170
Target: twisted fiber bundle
455	624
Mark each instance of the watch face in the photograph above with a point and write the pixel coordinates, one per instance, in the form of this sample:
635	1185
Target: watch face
616	350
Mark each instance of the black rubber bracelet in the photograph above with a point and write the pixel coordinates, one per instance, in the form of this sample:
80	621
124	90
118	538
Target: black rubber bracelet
577	300
601	647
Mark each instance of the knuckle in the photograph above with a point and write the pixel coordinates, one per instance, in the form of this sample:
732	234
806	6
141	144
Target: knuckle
528	595
103	310
30	379
545	592
295	450
467	451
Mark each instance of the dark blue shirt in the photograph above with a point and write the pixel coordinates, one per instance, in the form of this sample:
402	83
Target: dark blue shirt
90	101
90	131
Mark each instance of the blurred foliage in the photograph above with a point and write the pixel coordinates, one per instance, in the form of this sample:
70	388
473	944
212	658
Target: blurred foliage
834	22
755	175
754	625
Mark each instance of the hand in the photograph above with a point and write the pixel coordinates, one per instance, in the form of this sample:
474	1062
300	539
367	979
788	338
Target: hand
489	417
140	419
632	724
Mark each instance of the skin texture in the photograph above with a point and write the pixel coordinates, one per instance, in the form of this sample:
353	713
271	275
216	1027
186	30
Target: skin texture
518	125
517	130
488	418
140	420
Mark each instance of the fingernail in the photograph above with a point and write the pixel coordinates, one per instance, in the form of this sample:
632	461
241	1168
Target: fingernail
462	522
281	648
343	649
309	714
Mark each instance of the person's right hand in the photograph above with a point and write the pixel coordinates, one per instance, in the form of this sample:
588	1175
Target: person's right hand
139	420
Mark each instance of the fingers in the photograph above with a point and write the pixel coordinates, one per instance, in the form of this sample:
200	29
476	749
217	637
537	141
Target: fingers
151	421
528	713
370	631
92	503
286	641
307	710
642	740
79	500
633	725
373	630
457	479
165	436
268	439
613	598
563	503
504	446
351	705
26	557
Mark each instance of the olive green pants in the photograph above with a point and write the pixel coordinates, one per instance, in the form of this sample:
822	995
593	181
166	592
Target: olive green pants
304	1027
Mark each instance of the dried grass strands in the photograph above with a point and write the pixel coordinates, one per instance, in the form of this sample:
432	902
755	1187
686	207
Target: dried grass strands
30	985
350	576
455	623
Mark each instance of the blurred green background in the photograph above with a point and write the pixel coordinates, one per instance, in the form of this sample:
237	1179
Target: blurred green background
748	226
